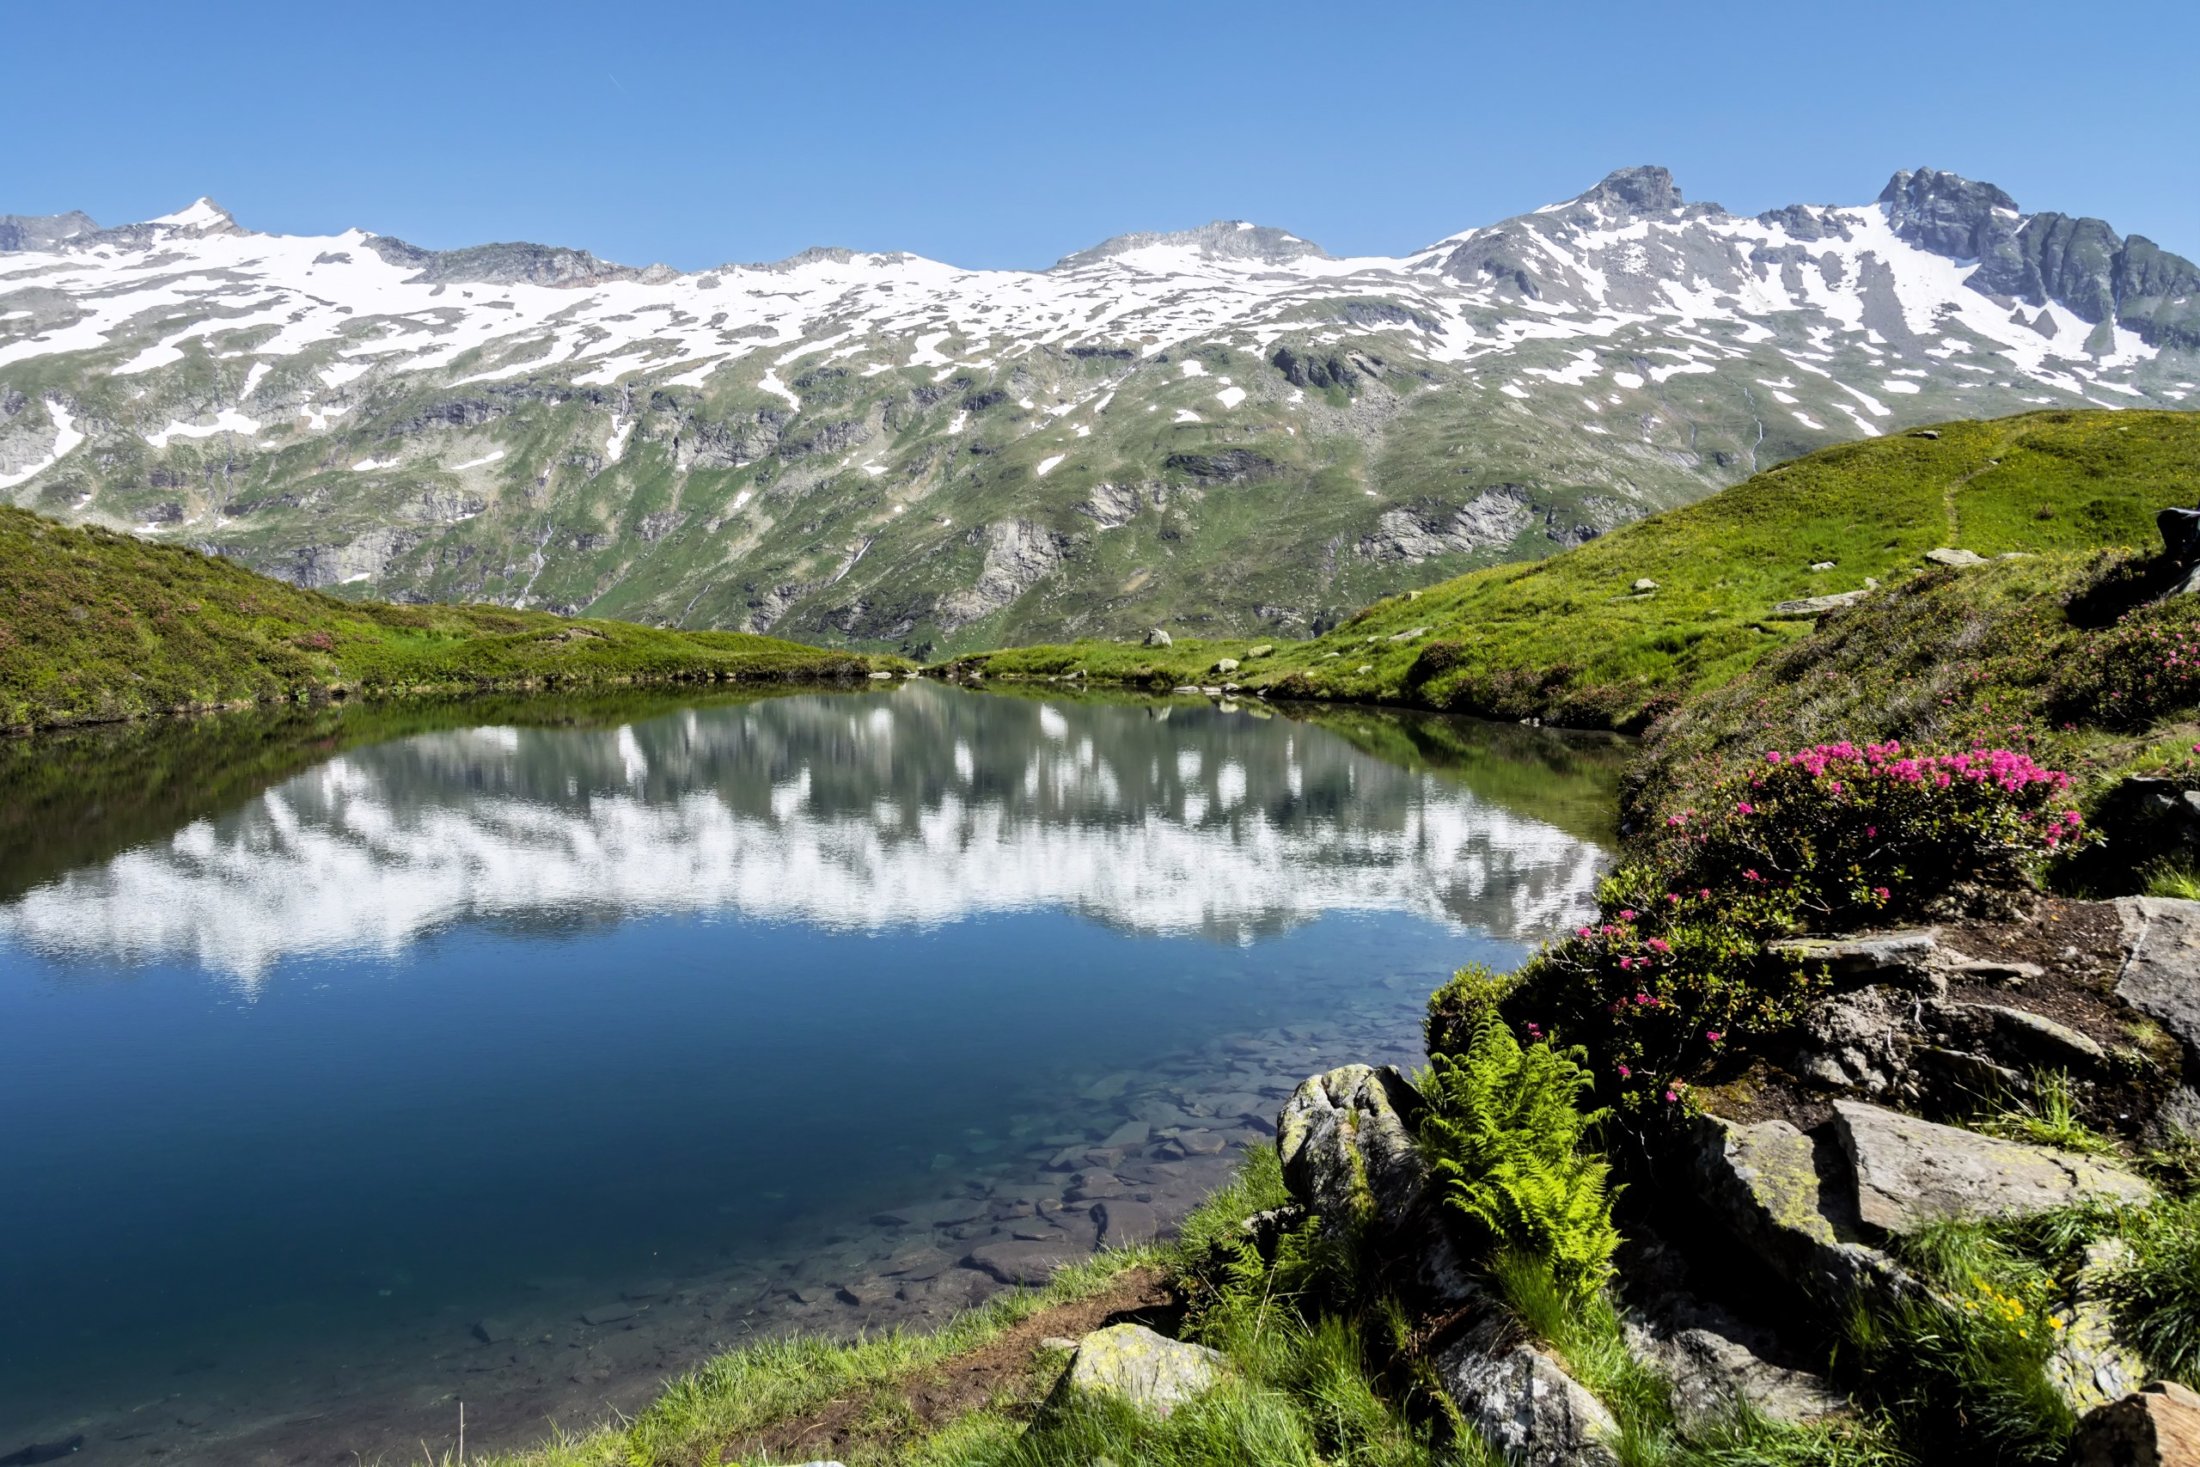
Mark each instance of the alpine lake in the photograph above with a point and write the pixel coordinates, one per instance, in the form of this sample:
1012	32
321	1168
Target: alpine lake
523	1053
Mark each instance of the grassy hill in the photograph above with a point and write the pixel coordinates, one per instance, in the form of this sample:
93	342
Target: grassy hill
1570	639
96	626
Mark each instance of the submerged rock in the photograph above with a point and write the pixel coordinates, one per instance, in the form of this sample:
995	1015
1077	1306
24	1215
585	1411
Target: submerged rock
1151	1372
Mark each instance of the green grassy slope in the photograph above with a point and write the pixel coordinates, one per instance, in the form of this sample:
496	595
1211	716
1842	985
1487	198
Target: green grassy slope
1568	639
97	626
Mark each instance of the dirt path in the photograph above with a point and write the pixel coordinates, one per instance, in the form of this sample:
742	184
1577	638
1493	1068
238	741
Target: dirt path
876	1418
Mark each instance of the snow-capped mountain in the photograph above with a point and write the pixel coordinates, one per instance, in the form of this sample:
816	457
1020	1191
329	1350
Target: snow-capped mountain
1225	427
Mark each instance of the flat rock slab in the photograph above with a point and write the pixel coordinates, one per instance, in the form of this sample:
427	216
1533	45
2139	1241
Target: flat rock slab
2161	978
1151	1372
1911	1172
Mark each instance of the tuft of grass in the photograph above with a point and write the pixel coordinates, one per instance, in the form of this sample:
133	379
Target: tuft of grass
1962	1370
2158	1296
2179	879
2049	1117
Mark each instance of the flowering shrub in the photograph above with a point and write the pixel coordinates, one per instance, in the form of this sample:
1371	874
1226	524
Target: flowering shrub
1855	834
1676	973
1663	983
2145	666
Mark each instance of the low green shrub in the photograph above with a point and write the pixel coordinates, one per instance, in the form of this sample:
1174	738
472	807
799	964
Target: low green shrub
2142	668
1507	1142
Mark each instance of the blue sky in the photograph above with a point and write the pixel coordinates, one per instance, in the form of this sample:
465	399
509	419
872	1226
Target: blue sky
1009	135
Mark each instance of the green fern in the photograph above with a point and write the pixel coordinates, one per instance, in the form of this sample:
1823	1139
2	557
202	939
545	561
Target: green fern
1507	1141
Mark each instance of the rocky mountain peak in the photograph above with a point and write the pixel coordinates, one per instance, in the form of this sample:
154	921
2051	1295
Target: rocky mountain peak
1647	189
200	218
1224	239
1949	214
43	231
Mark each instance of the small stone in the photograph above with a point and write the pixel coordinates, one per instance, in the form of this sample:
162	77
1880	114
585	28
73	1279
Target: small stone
1643	586
494	1331
1822	565
1226	664
1058	1342
1261	651
1150	1372
1945	556
1159	638
607	1314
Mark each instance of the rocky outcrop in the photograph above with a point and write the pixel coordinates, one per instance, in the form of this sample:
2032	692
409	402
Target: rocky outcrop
2161	978
1018	554
1149	1372
1713	1363
1346	1141
1492	520
1766	1186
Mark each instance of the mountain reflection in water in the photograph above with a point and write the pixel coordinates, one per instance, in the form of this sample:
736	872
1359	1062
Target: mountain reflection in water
911	807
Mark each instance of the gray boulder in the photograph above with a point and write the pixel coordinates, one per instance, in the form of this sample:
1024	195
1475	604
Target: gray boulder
2090	1366
1713	1370
1159	638
1527	1407
1346	1143
1947	557
1345	1139
1151	1372
1910	1172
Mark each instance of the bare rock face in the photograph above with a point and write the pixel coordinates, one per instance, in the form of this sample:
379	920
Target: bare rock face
1763	1184
1713	1370
2155	1427
2092	1367
2161	978
1151	1372
1529	1408
1018	553
1909	1172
